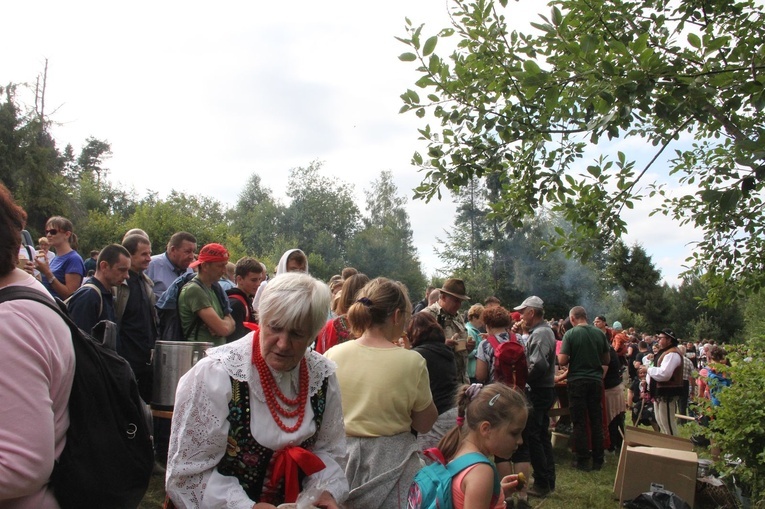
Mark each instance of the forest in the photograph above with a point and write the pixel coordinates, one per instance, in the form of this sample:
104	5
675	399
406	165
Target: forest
323	219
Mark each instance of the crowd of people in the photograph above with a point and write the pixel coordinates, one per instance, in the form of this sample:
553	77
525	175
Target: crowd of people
334	392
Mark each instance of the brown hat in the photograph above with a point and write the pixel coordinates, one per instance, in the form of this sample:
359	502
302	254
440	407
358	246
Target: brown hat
456	288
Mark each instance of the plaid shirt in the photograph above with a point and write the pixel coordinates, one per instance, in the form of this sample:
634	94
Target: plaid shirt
687	369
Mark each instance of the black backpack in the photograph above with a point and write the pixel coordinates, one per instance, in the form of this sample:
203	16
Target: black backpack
108	457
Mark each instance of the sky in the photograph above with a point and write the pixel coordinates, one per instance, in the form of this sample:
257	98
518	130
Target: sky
196	98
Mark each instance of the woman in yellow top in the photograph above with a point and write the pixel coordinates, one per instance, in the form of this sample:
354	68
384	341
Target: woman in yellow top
386	393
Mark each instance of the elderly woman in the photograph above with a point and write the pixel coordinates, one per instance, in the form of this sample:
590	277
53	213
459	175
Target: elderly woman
259	420
62	276
386	394
337	330
428	339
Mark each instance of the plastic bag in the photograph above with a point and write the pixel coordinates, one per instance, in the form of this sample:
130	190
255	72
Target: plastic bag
305	500
659	499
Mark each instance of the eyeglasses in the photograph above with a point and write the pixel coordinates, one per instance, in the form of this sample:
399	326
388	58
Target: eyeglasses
52	231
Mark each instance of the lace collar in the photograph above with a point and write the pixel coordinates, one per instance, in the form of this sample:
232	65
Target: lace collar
236	359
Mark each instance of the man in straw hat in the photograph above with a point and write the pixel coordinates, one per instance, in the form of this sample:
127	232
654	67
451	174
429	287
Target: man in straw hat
446	312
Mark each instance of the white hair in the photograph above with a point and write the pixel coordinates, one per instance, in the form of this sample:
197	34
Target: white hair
295	301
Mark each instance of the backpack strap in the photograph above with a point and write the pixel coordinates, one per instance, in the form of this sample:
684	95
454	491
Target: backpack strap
21	292
491	338
196	323
121	294
100	297
244	303
457	465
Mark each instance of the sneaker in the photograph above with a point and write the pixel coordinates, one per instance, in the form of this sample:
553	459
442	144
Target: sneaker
539	491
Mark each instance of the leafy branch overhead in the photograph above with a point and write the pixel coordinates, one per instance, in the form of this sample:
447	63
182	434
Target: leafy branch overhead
685	79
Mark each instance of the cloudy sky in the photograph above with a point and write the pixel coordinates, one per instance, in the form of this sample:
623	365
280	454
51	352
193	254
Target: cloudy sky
197	96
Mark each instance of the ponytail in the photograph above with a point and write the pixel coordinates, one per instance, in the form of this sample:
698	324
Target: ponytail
375	302
496	404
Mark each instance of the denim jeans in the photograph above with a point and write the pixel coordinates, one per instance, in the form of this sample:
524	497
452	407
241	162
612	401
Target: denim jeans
538	437
584	398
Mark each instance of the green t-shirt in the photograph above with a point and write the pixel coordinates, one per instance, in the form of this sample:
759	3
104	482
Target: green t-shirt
194	297
584	344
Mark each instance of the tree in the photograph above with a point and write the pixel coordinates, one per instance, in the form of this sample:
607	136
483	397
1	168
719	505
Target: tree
632	270
256	217
30	163
384	246
202	216
694	320
322	217
529	105
92	157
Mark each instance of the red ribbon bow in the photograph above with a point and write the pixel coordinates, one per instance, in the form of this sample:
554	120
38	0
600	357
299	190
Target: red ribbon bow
286	466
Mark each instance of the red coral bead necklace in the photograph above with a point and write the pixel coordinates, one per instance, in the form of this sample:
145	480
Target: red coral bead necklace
273	394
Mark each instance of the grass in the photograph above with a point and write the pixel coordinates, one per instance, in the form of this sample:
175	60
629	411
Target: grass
574	489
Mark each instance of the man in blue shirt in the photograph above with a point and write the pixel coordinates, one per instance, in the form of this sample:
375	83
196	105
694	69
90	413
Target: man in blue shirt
93	303
166	267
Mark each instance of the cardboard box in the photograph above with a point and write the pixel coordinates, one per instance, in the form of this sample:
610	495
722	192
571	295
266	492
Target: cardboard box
649	458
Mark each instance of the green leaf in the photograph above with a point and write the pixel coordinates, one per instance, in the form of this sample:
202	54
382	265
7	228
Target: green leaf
429	46
557	17
407	57
531	67
694	40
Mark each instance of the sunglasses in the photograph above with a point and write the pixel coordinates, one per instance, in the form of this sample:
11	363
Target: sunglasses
52	231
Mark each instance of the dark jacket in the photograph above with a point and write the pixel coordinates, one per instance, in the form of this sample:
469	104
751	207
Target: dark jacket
442	372
239	313
87	306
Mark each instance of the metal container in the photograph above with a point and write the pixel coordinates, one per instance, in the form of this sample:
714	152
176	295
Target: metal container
704	468
172	359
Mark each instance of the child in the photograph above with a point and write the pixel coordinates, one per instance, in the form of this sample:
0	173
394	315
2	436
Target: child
489	421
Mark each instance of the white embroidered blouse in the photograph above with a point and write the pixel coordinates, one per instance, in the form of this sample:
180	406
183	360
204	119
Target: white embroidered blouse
200	427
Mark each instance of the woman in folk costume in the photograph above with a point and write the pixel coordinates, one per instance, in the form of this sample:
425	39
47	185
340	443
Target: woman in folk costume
386	394
259	420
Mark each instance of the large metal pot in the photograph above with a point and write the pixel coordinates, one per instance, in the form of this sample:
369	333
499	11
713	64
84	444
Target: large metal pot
172	359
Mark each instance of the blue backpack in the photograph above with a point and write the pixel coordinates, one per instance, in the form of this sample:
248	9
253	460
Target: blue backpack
432	486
